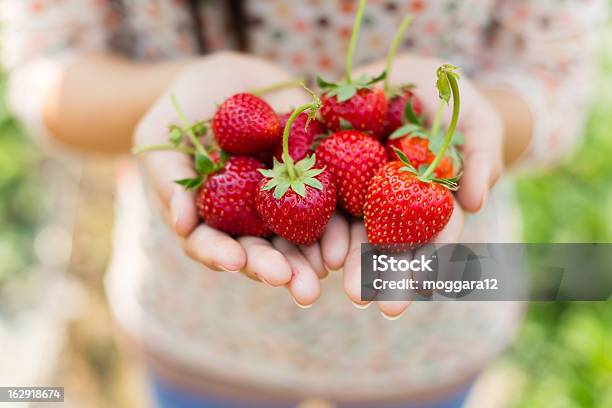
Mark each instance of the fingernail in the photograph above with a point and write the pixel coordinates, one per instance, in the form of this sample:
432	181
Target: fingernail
265	281
391	318
300	305
226	269
361	306
328	269
485	197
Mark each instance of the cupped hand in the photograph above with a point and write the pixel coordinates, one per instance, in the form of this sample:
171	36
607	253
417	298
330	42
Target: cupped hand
199	88
482	152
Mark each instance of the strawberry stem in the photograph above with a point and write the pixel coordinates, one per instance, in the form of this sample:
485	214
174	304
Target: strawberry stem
353	42
437	120
451	77
164	147
406	22
287	159
294	83
188	129
313	107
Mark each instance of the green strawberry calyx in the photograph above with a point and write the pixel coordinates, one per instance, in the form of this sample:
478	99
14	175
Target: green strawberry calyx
303	175
185	138
287	174
450	183
448	87
345	90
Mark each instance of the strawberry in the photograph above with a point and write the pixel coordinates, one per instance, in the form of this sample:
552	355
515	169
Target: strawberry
352	158
398	105
417	151
354	102
245	124
405	205
226	200
299	216
401	209
365	110
297	200
301	138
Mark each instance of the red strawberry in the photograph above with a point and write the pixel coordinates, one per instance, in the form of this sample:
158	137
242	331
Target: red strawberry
301	138
296	200
245	124
401	209
366	111
418	153
397	109
264	157
352	158
298	217
226	200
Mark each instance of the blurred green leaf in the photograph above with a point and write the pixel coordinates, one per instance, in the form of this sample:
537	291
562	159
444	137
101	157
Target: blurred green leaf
21	192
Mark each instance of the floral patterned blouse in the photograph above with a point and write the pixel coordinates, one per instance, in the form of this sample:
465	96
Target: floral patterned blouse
541	49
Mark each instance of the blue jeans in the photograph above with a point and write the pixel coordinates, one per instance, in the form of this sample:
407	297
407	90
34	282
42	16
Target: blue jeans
167	396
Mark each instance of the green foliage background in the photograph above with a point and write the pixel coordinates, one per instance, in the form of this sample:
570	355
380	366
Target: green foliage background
20	195
564	350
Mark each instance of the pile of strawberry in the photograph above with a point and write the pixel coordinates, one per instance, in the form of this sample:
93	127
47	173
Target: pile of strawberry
365	149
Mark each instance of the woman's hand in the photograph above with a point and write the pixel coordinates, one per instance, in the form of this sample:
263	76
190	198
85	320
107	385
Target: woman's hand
203	85
482	152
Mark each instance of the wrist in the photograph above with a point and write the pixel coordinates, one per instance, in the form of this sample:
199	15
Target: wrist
516	120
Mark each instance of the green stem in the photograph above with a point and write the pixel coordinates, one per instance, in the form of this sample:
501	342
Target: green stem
451	129
164	147
353	43
287	159
276	87
406	22
187	127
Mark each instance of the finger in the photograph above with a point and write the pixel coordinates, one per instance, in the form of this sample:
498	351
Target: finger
452	232
352	266
335	242
265	262
163	169
483	162
304	285
183	211
215	249
313	255
393	309
481	173
395	302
